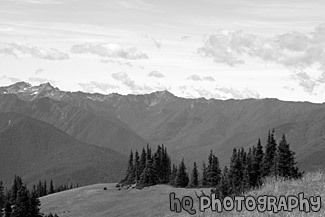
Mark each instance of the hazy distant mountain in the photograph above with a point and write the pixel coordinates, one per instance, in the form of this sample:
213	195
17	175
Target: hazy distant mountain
36	150
191	127
100	129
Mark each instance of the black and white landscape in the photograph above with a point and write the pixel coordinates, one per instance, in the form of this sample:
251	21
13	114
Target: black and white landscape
85	83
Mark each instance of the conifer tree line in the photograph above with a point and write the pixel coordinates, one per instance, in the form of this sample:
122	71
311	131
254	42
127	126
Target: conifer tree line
19	201
42	188
247	169
148	168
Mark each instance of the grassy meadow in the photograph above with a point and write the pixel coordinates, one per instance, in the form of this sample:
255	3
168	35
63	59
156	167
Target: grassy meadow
154	201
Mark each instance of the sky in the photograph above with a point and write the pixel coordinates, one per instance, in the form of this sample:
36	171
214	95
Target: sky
192	48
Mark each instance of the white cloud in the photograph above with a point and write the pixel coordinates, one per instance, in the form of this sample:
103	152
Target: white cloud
156	74
218	46
40	80
18	51
39	71
208	78
95	86
293	49
158	44
118	62
128	82
305	81
108	50
194	78
198	78
218	92
238	93
11	79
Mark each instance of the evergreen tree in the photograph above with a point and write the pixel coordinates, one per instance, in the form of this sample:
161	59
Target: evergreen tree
18	183
2	196
22	203
173	174
250	166
45	188
157	166
283	158
143	160
149	156
214	171
149	176
137	166
158	163
35	203
246	167
204	179
130	173
234	178
224	187
166	166
269	161
258	167
194	177
285	161
51	190
8	210
182	177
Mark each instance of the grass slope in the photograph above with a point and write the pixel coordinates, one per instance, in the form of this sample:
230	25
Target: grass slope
96	202
154	201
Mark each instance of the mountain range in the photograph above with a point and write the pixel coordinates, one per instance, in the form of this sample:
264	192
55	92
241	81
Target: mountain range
189	128
39	151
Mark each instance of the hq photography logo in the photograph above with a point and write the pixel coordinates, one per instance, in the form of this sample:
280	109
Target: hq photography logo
261	203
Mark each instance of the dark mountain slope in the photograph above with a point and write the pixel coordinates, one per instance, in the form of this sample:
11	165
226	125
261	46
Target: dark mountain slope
37	150
100	129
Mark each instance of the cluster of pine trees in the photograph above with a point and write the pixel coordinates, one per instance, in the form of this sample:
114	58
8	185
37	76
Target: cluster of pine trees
148	168
20	202
247	169
42	189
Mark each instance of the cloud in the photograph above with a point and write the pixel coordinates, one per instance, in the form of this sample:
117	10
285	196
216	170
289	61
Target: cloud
293	49
208	94
118	62
305	81
158	44
128	82
39	71
194	78
18	51
95	86
238	94
11	79
41	80
218	92
208	78
108	50
218	46
156	74
198	78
